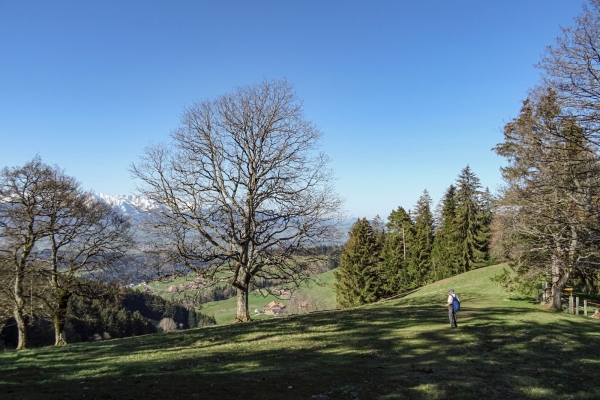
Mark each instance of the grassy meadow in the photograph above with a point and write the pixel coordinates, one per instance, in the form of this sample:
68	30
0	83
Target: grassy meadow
506	347
319	292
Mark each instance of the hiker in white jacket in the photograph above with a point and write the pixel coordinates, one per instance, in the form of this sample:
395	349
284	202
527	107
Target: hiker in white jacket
450	305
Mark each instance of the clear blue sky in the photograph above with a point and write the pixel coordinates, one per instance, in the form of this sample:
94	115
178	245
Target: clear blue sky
406	92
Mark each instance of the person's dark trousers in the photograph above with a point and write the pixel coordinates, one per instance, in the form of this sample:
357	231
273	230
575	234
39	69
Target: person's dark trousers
452	316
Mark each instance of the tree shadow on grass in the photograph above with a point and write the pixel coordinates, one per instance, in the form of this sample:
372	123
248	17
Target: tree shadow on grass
383	352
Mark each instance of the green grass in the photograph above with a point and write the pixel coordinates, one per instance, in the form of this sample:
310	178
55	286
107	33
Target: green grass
506	347
319	291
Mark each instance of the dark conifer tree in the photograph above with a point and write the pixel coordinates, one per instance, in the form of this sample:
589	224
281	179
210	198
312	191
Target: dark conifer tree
401	221
358	278
396	252
471	237
378	229
486	213
419	267
192	318
444	254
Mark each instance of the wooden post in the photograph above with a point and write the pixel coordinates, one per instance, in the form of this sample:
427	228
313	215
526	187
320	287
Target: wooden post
570	304
545	292
585	308
577	305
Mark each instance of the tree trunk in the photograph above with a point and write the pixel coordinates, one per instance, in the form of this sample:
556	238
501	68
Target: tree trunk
21	328
559	280
59	337
18	312
59	318
243	315
556	298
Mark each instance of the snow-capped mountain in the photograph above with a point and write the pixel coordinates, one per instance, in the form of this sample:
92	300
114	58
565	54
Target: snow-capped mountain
129	205
136	207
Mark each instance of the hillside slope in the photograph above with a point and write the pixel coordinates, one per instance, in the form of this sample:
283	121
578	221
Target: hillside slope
506	347
318	292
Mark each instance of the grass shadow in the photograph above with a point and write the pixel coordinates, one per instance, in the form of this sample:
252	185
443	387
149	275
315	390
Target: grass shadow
384	351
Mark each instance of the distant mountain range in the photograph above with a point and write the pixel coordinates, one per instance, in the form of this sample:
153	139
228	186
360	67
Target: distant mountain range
132	206
136	207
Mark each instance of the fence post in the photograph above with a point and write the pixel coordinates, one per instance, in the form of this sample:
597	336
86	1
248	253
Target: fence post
571	303
577	305
585	308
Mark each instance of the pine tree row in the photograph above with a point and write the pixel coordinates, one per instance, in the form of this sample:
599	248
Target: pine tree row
416	247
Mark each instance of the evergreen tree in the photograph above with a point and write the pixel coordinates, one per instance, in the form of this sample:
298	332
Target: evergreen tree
393	270
486	214
419	267
192	318
548	222
471	235
358	278
401	222
444	254
395	252
378	229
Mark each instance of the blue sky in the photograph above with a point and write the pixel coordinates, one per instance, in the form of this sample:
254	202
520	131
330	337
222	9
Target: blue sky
407	92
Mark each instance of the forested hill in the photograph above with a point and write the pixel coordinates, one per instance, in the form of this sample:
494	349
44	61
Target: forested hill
506	347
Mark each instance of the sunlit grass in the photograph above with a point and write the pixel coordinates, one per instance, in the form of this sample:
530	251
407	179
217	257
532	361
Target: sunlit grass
506	347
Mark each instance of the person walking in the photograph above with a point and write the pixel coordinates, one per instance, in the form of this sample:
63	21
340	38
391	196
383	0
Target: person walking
450	305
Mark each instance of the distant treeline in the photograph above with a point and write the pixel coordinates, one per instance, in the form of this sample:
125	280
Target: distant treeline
108	311
416	247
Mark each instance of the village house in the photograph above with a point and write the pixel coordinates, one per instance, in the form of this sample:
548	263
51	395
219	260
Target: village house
274	308
172	289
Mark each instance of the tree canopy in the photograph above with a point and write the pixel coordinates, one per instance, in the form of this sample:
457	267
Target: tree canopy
242	189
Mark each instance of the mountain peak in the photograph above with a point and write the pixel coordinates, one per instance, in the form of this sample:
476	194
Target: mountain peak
127	203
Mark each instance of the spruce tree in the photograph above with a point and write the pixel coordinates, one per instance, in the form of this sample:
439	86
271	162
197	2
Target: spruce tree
396	252
401	221
471	236
419	267
486	214
393	269
192	318
358	278
444	254
548	222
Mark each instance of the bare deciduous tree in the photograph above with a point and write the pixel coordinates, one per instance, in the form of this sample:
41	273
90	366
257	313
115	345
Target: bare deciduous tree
85	236
242	188
167	325
572	68
23	224
52	233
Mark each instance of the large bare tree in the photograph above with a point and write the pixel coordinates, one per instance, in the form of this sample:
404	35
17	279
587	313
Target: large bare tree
243	189
52	234
85	236
23	224
572	67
